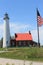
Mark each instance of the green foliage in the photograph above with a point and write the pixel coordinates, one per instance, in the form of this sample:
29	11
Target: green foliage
24	53
7	63
2	49
0	64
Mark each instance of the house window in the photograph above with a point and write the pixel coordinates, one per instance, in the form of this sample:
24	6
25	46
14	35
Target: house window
24	43
13	43
20	43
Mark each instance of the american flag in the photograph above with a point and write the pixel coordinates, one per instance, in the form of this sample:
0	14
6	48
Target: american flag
39	19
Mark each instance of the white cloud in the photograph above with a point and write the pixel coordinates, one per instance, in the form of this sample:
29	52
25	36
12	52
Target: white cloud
35	35
19	27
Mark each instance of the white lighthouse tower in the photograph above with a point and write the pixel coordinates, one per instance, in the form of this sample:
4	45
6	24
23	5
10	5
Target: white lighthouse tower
6	35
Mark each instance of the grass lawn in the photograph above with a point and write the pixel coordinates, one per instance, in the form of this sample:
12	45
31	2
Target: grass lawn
34	54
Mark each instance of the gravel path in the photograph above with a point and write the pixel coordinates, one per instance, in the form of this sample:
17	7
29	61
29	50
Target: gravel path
4	61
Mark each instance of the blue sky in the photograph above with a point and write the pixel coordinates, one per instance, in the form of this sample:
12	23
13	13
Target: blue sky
22	14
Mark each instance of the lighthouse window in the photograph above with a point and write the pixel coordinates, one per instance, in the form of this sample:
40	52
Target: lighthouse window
7	42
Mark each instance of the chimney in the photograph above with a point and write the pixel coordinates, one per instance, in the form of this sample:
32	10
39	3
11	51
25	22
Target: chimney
15	35
29	32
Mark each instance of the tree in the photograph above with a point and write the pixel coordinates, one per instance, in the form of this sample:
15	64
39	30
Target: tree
1	42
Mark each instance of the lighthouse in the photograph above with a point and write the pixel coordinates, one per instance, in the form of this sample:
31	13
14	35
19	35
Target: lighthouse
6	33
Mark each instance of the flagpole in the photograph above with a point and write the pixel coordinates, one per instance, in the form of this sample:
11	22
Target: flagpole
38	33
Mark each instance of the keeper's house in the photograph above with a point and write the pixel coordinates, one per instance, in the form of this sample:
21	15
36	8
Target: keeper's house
22	39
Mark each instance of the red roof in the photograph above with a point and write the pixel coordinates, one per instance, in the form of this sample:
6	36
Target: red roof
23	36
